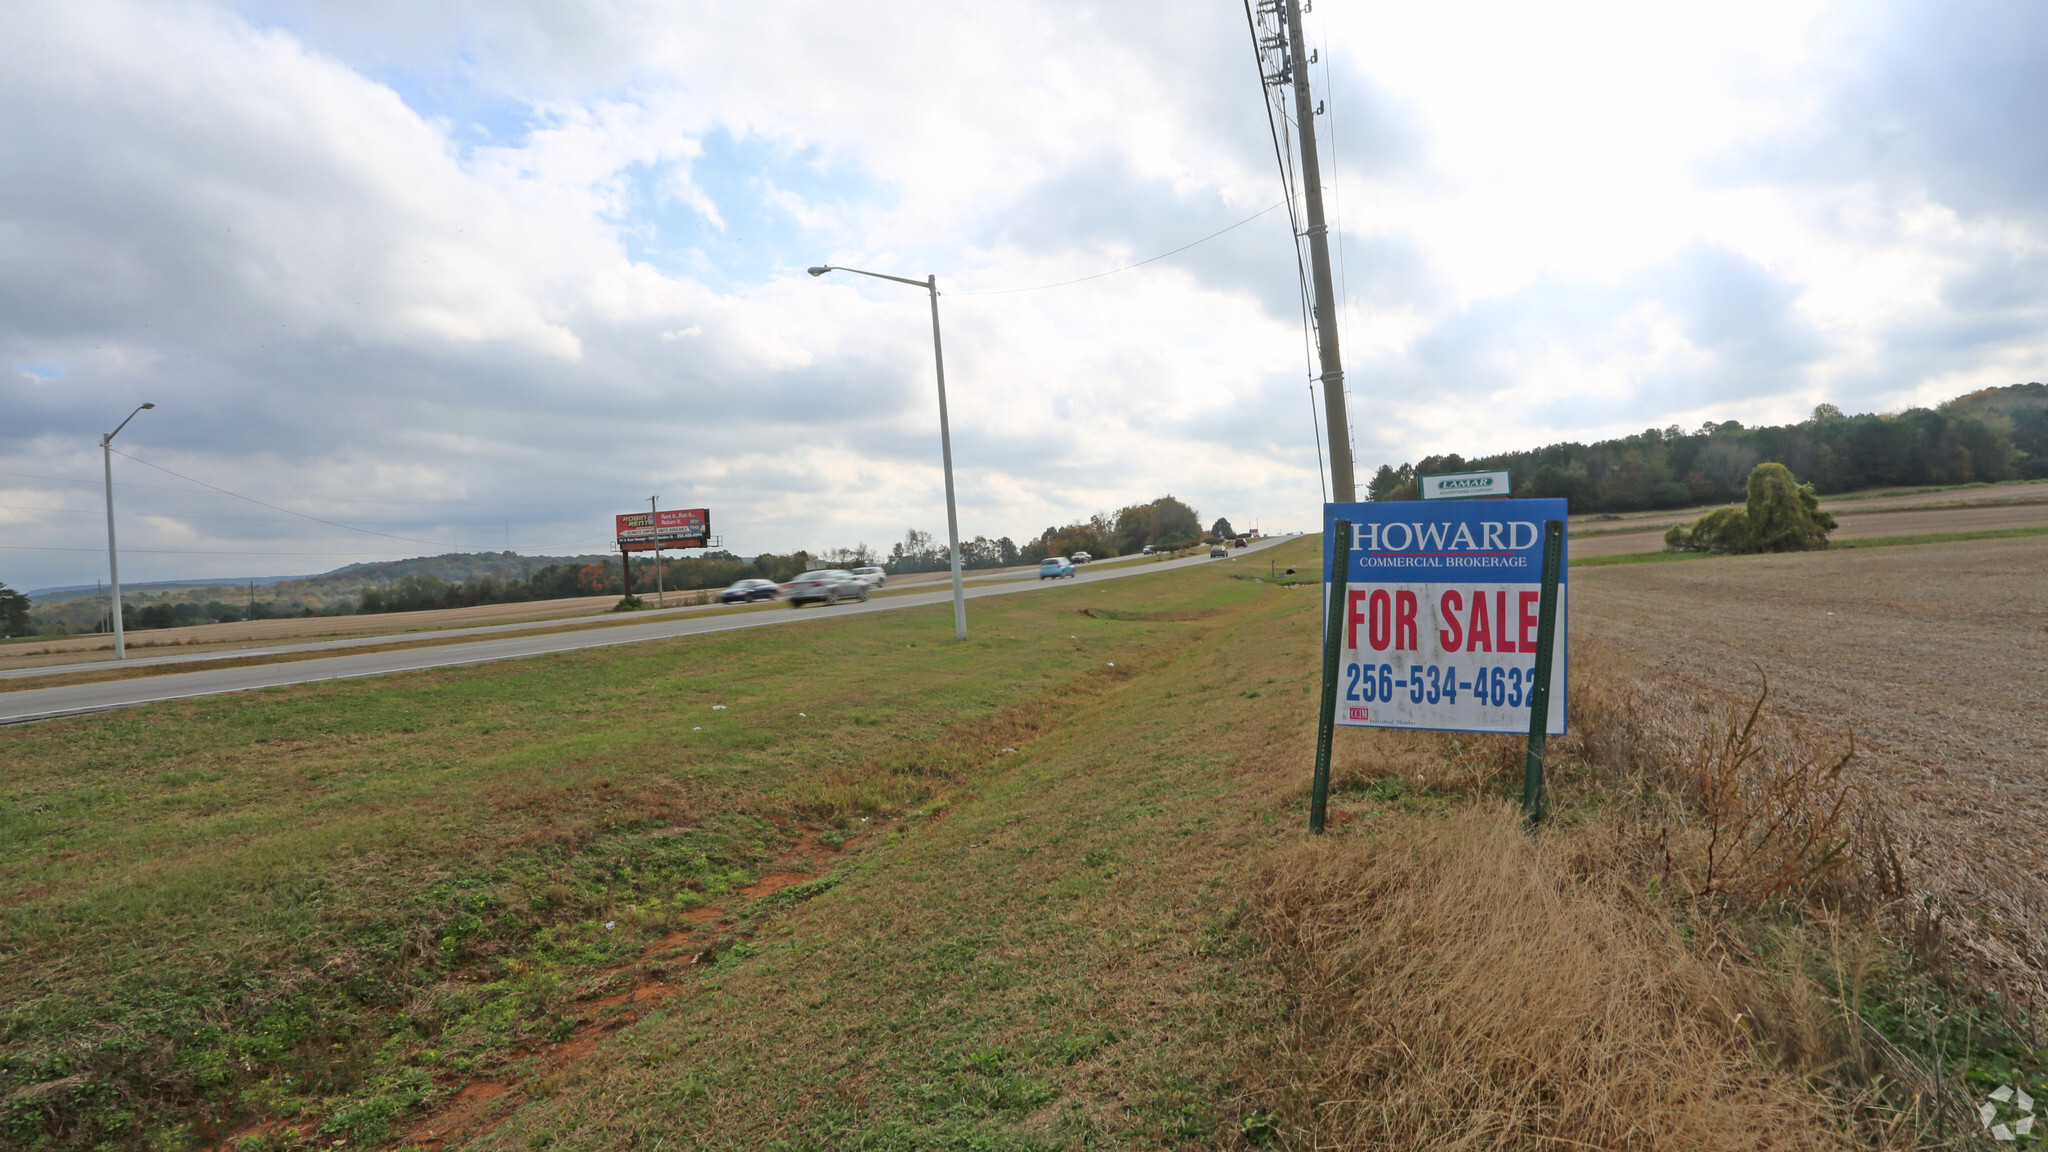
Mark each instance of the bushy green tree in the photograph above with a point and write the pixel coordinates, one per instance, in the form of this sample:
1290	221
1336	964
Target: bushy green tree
1722	530
1163	523
1784	515
1221	529
1781	515
13	612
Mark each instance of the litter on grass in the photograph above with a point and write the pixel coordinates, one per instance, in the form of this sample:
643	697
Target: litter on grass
718	707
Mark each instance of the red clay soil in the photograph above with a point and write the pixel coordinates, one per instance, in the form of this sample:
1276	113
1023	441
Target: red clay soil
480	1104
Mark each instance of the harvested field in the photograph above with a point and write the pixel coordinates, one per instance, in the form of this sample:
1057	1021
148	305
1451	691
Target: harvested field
1933	657
1861	521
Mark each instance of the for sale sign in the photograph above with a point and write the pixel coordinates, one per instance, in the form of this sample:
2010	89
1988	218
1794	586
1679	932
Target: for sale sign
1441	604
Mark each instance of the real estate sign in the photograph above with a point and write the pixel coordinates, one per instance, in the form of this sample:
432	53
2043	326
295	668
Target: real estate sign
1440	611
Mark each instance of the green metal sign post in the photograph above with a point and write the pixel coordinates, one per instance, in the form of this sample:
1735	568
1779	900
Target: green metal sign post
1539	696
1333	640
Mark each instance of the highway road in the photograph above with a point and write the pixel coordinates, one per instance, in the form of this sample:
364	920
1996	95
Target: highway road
435	635
31	704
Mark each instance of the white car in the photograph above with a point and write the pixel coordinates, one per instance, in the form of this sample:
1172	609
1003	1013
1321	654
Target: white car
1082	557
830	585
872	577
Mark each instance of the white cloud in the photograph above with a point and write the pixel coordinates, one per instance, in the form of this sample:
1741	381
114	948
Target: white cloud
541	258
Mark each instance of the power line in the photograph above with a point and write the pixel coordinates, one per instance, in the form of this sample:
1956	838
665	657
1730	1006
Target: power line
325	499
1128	267
212	551
244	519
1283	156
286	511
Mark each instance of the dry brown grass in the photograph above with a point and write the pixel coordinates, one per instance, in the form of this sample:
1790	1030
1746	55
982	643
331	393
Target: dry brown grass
1460	984
1675	961
1730	807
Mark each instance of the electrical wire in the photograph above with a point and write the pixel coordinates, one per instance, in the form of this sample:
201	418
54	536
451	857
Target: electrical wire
325	499
1337	197
1128	267
239	519
1283	156
286	511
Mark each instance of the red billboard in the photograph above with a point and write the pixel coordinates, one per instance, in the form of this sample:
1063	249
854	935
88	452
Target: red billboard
676	528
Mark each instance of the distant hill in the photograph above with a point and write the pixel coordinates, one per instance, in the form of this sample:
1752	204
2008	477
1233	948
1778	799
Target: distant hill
347	580
2012	397
73	591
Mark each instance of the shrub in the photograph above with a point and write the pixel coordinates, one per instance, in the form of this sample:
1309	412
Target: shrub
1723	530
1782	515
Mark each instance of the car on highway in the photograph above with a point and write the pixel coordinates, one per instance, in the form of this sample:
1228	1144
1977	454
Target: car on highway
1147	551
1083	557
1055	567
746	591
871	576
830	585
1218	552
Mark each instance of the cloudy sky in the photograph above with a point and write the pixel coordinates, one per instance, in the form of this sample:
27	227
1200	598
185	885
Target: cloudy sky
474	275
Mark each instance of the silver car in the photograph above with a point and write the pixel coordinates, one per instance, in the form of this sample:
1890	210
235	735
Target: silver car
828	584
872	576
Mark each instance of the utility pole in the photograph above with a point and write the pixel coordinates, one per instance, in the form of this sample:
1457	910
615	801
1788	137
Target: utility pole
1343	488
660	593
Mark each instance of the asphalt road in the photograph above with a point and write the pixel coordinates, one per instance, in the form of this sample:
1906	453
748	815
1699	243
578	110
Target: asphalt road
427	635
71	699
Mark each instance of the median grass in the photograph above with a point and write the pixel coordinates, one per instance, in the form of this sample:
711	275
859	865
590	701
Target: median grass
1045	889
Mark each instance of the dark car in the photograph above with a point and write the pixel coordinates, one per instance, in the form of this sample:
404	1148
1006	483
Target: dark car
748	590
1218	552
828	584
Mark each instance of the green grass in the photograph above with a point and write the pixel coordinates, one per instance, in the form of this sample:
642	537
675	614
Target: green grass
335	904
1941	537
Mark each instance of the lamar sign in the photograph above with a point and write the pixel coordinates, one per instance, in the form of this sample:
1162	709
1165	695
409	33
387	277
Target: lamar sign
1464	485
1440	613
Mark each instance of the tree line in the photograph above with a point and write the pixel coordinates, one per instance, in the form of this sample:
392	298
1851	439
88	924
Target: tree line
1983	437
1166	523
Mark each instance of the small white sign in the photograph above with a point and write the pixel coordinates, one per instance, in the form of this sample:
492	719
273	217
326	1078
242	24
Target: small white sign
1465	485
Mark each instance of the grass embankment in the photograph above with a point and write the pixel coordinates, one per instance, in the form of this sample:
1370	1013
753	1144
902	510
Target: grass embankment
565	903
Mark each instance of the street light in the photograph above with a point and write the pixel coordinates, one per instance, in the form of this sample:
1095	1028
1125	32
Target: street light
113	558
931	284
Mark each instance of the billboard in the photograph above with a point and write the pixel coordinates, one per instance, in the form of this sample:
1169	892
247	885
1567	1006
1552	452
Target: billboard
1464	485
675	528
1440	614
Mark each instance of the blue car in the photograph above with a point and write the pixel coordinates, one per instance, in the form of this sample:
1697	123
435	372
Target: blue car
1055	567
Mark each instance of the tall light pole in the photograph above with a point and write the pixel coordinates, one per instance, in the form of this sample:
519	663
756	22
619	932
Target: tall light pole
113	557
931	284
